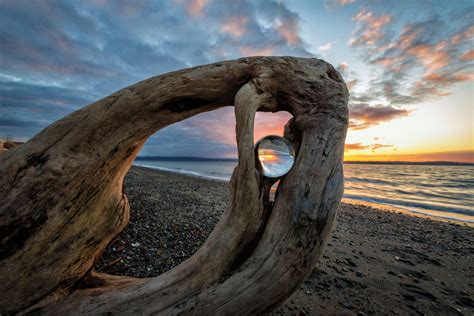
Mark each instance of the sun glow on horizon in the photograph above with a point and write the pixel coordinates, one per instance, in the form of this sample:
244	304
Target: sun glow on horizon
451	156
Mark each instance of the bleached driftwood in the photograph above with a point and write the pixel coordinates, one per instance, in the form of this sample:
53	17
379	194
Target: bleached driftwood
63	201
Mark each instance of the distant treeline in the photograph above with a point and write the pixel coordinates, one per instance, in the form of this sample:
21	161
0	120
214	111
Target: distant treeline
425	163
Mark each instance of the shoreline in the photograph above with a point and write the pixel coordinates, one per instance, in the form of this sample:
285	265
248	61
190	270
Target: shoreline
399	210
374	263
442	216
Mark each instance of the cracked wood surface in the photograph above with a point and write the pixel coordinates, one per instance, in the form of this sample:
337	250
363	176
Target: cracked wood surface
63	201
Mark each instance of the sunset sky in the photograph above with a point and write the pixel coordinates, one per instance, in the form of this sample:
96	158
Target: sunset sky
408	64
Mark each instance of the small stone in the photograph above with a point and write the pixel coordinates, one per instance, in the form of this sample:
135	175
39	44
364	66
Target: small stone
347	305
360	274
409	297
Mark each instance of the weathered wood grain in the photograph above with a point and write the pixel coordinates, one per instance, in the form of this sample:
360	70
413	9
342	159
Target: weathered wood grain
63	201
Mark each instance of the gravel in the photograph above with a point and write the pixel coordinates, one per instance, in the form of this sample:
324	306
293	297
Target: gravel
171	217
375	262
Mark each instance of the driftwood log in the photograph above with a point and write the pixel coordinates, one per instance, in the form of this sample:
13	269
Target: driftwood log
62	197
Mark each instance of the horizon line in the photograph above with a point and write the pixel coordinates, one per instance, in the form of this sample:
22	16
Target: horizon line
392	162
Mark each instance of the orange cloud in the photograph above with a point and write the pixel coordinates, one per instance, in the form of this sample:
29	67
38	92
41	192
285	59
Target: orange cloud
446	78
351	83
193	7
289	31
332	3
270	123
343	66
458	38
435	84
362	116
252	51
360	146
441	65
371	20
392	63
407	38
432	57
468	55
236	26
345	2
356	146
219	126
371	32
423	88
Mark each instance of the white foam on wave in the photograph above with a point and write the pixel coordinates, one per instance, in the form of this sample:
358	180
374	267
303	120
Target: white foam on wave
186	172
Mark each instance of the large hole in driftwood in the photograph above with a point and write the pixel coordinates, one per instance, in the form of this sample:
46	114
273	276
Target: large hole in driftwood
175	206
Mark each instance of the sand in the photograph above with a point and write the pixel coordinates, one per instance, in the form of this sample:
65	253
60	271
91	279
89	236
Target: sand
376	262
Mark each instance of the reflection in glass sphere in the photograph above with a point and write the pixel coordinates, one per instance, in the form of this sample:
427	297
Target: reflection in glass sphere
276	155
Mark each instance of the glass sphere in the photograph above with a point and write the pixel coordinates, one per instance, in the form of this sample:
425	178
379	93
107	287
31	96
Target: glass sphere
276	155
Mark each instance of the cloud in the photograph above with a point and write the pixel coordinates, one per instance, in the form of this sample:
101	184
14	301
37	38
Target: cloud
333	3
467	56
375	147
355	146
256	51
370	28
351	84
420	62
325	47
236	26
289	31
34	105
363	115
211	134
351	77
345	2
342	67
286	22
371	147
16	122
193	7
39	97
58	56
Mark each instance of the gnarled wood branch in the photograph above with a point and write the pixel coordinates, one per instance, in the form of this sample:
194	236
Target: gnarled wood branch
63	201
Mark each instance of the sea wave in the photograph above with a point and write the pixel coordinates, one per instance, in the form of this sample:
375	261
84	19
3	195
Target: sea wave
365	180
186	172
441	191
422	208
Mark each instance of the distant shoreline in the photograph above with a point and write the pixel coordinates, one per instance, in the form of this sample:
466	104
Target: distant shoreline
421	163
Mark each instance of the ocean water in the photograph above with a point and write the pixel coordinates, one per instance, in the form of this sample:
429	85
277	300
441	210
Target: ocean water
442	191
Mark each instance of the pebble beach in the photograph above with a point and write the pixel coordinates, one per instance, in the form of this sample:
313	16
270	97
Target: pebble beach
376	262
